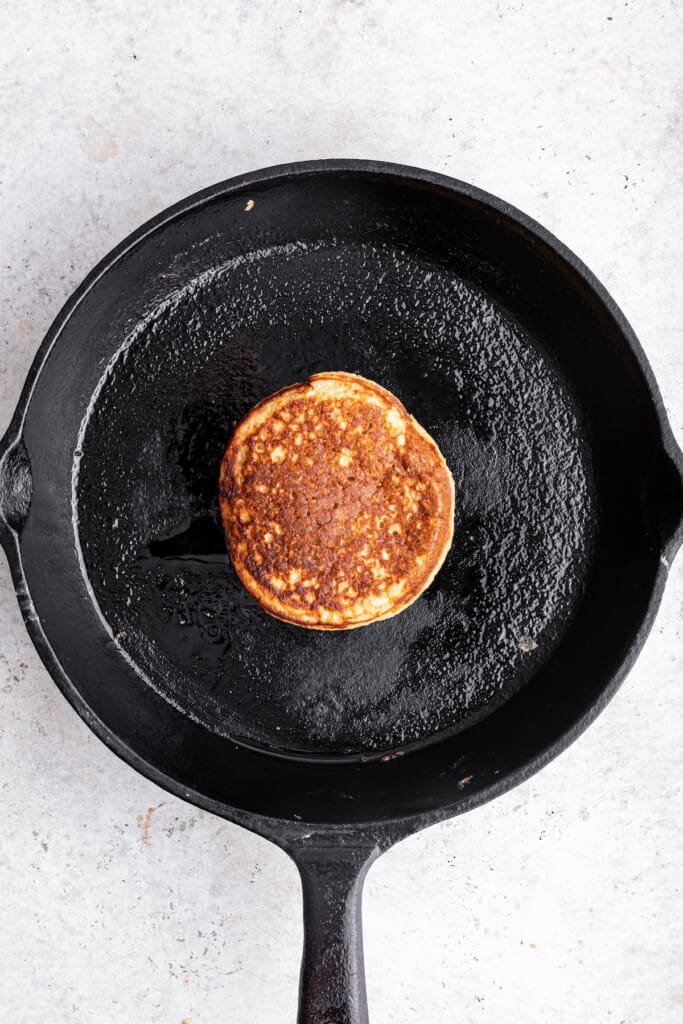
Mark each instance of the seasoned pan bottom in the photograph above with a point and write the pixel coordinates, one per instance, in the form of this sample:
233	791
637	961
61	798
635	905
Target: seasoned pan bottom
489	393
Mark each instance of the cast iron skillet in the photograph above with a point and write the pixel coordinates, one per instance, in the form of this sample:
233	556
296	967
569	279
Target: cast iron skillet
569	508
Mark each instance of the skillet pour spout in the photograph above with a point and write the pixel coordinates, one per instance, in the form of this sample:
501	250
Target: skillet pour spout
569	511
666	500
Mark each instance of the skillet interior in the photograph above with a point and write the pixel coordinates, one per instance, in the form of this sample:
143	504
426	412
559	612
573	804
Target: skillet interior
488	394
502	351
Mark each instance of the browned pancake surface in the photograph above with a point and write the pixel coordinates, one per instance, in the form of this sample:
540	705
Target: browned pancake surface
337	506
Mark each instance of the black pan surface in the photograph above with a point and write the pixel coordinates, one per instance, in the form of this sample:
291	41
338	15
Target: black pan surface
492	396
499	342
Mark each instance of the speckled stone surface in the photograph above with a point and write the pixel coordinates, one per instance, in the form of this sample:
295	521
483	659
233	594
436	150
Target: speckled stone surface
559	903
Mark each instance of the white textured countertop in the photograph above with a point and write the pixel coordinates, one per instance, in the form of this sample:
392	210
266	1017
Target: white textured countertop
560	902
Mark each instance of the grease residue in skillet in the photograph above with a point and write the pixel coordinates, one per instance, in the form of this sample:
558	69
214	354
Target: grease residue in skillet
495	404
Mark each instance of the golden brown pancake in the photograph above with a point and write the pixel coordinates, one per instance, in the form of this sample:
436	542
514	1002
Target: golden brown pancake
337	505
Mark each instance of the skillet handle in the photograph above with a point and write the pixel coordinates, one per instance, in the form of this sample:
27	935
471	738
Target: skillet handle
332	983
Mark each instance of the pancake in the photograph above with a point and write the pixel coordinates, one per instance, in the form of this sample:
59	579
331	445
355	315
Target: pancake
337	505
